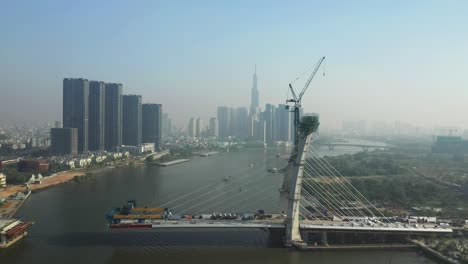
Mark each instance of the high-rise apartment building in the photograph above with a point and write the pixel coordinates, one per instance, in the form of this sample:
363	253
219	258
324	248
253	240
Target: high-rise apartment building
224	121
64	141
113	116
260	131
268	117
75	108
198	127
131	120
166	125
96	115
152	124
282	123
191	130
242	122
214	127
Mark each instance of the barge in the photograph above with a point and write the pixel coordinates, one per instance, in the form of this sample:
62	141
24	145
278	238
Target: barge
12	230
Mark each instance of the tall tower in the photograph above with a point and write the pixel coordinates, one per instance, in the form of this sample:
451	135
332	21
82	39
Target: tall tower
75	109
214	127
191	131
254	98
223	121
96	115
113	116
152	124
198	127
131	120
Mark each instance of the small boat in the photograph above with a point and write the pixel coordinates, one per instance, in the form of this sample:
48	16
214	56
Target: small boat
278	155
251	164
273	170
227	178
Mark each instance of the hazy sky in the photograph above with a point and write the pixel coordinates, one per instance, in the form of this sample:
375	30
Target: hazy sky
386	60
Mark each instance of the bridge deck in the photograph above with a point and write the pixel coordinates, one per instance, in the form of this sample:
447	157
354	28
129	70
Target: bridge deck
278	224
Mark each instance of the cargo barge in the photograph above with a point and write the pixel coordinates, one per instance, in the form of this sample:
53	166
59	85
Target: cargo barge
12	230
131	216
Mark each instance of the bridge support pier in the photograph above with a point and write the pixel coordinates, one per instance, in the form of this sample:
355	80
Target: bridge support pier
293	235
324	238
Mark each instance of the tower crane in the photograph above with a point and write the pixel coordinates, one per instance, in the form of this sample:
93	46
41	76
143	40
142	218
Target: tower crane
296	103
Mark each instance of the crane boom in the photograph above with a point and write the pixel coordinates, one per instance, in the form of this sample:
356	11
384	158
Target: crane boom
293	93
296	100
310	79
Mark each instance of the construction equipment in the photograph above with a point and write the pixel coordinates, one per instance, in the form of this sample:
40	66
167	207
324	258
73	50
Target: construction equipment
296	101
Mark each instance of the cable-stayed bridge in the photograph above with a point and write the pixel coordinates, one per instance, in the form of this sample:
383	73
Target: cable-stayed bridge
314	198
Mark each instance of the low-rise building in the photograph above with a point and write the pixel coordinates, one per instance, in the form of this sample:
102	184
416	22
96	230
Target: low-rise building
70	163
137	150
100	158
2	180
147	147
33	165
82	162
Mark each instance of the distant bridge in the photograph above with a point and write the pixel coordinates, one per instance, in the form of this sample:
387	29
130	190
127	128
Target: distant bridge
365	147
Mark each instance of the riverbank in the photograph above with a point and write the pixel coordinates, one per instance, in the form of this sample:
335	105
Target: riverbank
11	206
169	163
56	179
9	209
433	253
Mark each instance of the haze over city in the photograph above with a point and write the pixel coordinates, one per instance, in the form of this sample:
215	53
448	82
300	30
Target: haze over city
251	132
392	61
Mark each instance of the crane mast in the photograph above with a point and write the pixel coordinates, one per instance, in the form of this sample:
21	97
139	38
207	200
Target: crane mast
296	101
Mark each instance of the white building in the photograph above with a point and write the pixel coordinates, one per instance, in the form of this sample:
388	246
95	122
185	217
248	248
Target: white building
2	180
145	147
137	150
82	162
100	158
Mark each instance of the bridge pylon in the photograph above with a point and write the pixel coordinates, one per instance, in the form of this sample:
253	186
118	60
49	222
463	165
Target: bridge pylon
292	183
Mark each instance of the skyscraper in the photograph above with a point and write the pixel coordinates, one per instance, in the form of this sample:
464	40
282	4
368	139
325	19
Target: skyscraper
223	121
131	119
252	127
96	115
113	116
242	122
282	123
260	131
152	124
191	130
166	125
214	127
64	141
232	130
268	117
199	127
75	108
254	98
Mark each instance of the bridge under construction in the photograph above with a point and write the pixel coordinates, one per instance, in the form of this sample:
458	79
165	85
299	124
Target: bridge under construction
315	200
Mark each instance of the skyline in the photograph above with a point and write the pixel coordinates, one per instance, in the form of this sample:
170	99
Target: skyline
385	61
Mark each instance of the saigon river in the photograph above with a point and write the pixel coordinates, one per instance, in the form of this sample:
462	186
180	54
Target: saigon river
71	226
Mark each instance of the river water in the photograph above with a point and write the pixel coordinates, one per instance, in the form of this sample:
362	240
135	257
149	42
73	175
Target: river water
71	227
